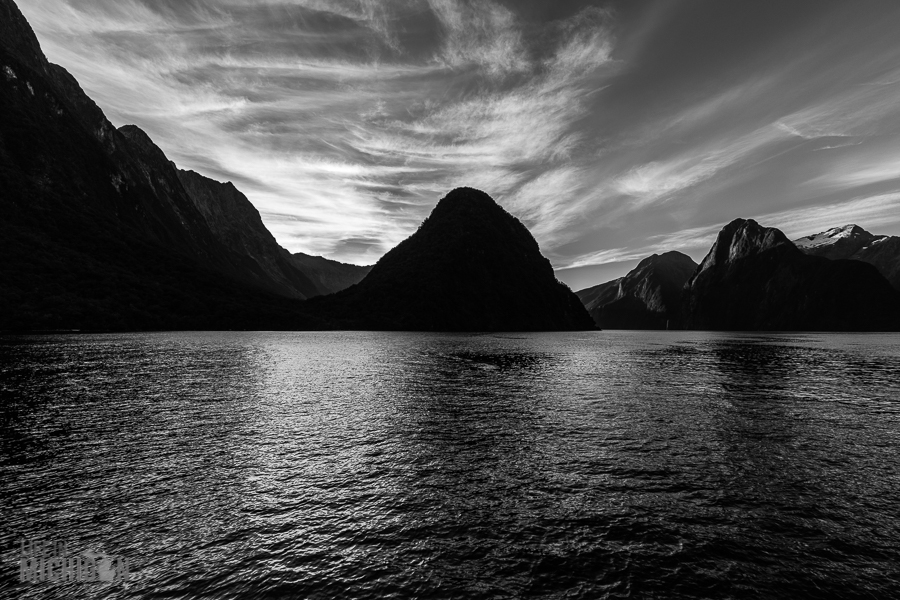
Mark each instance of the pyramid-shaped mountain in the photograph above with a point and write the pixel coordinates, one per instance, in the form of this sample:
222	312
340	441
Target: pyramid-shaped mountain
471	266
754	278
648	297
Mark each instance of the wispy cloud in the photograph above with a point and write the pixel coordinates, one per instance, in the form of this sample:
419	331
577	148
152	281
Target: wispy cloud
344	121
354	117
480	33
860	110
694	241
857	172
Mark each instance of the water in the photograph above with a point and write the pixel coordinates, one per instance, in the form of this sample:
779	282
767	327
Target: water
374	465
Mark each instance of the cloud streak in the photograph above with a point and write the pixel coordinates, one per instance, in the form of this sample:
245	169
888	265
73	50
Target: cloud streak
610	131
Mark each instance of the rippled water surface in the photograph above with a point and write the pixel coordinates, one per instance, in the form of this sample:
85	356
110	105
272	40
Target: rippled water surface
394	465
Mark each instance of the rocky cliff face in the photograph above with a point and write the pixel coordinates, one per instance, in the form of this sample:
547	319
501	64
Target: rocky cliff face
471	266
648	297
855	243
754	278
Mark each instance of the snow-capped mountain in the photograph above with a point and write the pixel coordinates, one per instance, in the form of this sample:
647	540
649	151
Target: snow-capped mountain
854	242
843	237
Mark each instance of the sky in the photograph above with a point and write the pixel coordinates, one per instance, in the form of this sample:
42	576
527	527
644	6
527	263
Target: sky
612	129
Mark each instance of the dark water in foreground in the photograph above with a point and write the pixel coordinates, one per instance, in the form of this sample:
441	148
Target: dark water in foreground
373	465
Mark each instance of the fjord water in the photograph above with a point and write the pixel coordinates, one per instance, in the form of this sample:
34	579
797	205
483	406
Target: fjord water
398	465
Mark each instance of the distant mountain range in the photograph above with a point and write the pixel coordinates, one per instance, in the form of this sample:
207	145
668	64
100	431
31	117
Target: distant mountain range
329	275
754	278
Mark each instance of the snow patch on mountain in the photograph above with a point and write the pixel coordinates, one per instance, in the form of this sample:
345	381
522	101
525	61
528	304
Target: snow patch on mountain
831	236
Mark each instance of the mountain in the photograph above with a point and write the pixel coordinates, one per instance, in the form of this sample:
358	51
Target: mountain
837	242
471	266
99	230
884	255
237	224
600	295
18	40
648	297
330	276
855	243
754	278
96	229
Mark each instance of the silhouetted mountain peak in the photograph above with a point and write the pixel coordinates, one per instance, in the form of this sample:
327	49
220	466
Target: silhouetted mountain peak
464	199
471	266
471	215
672	257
